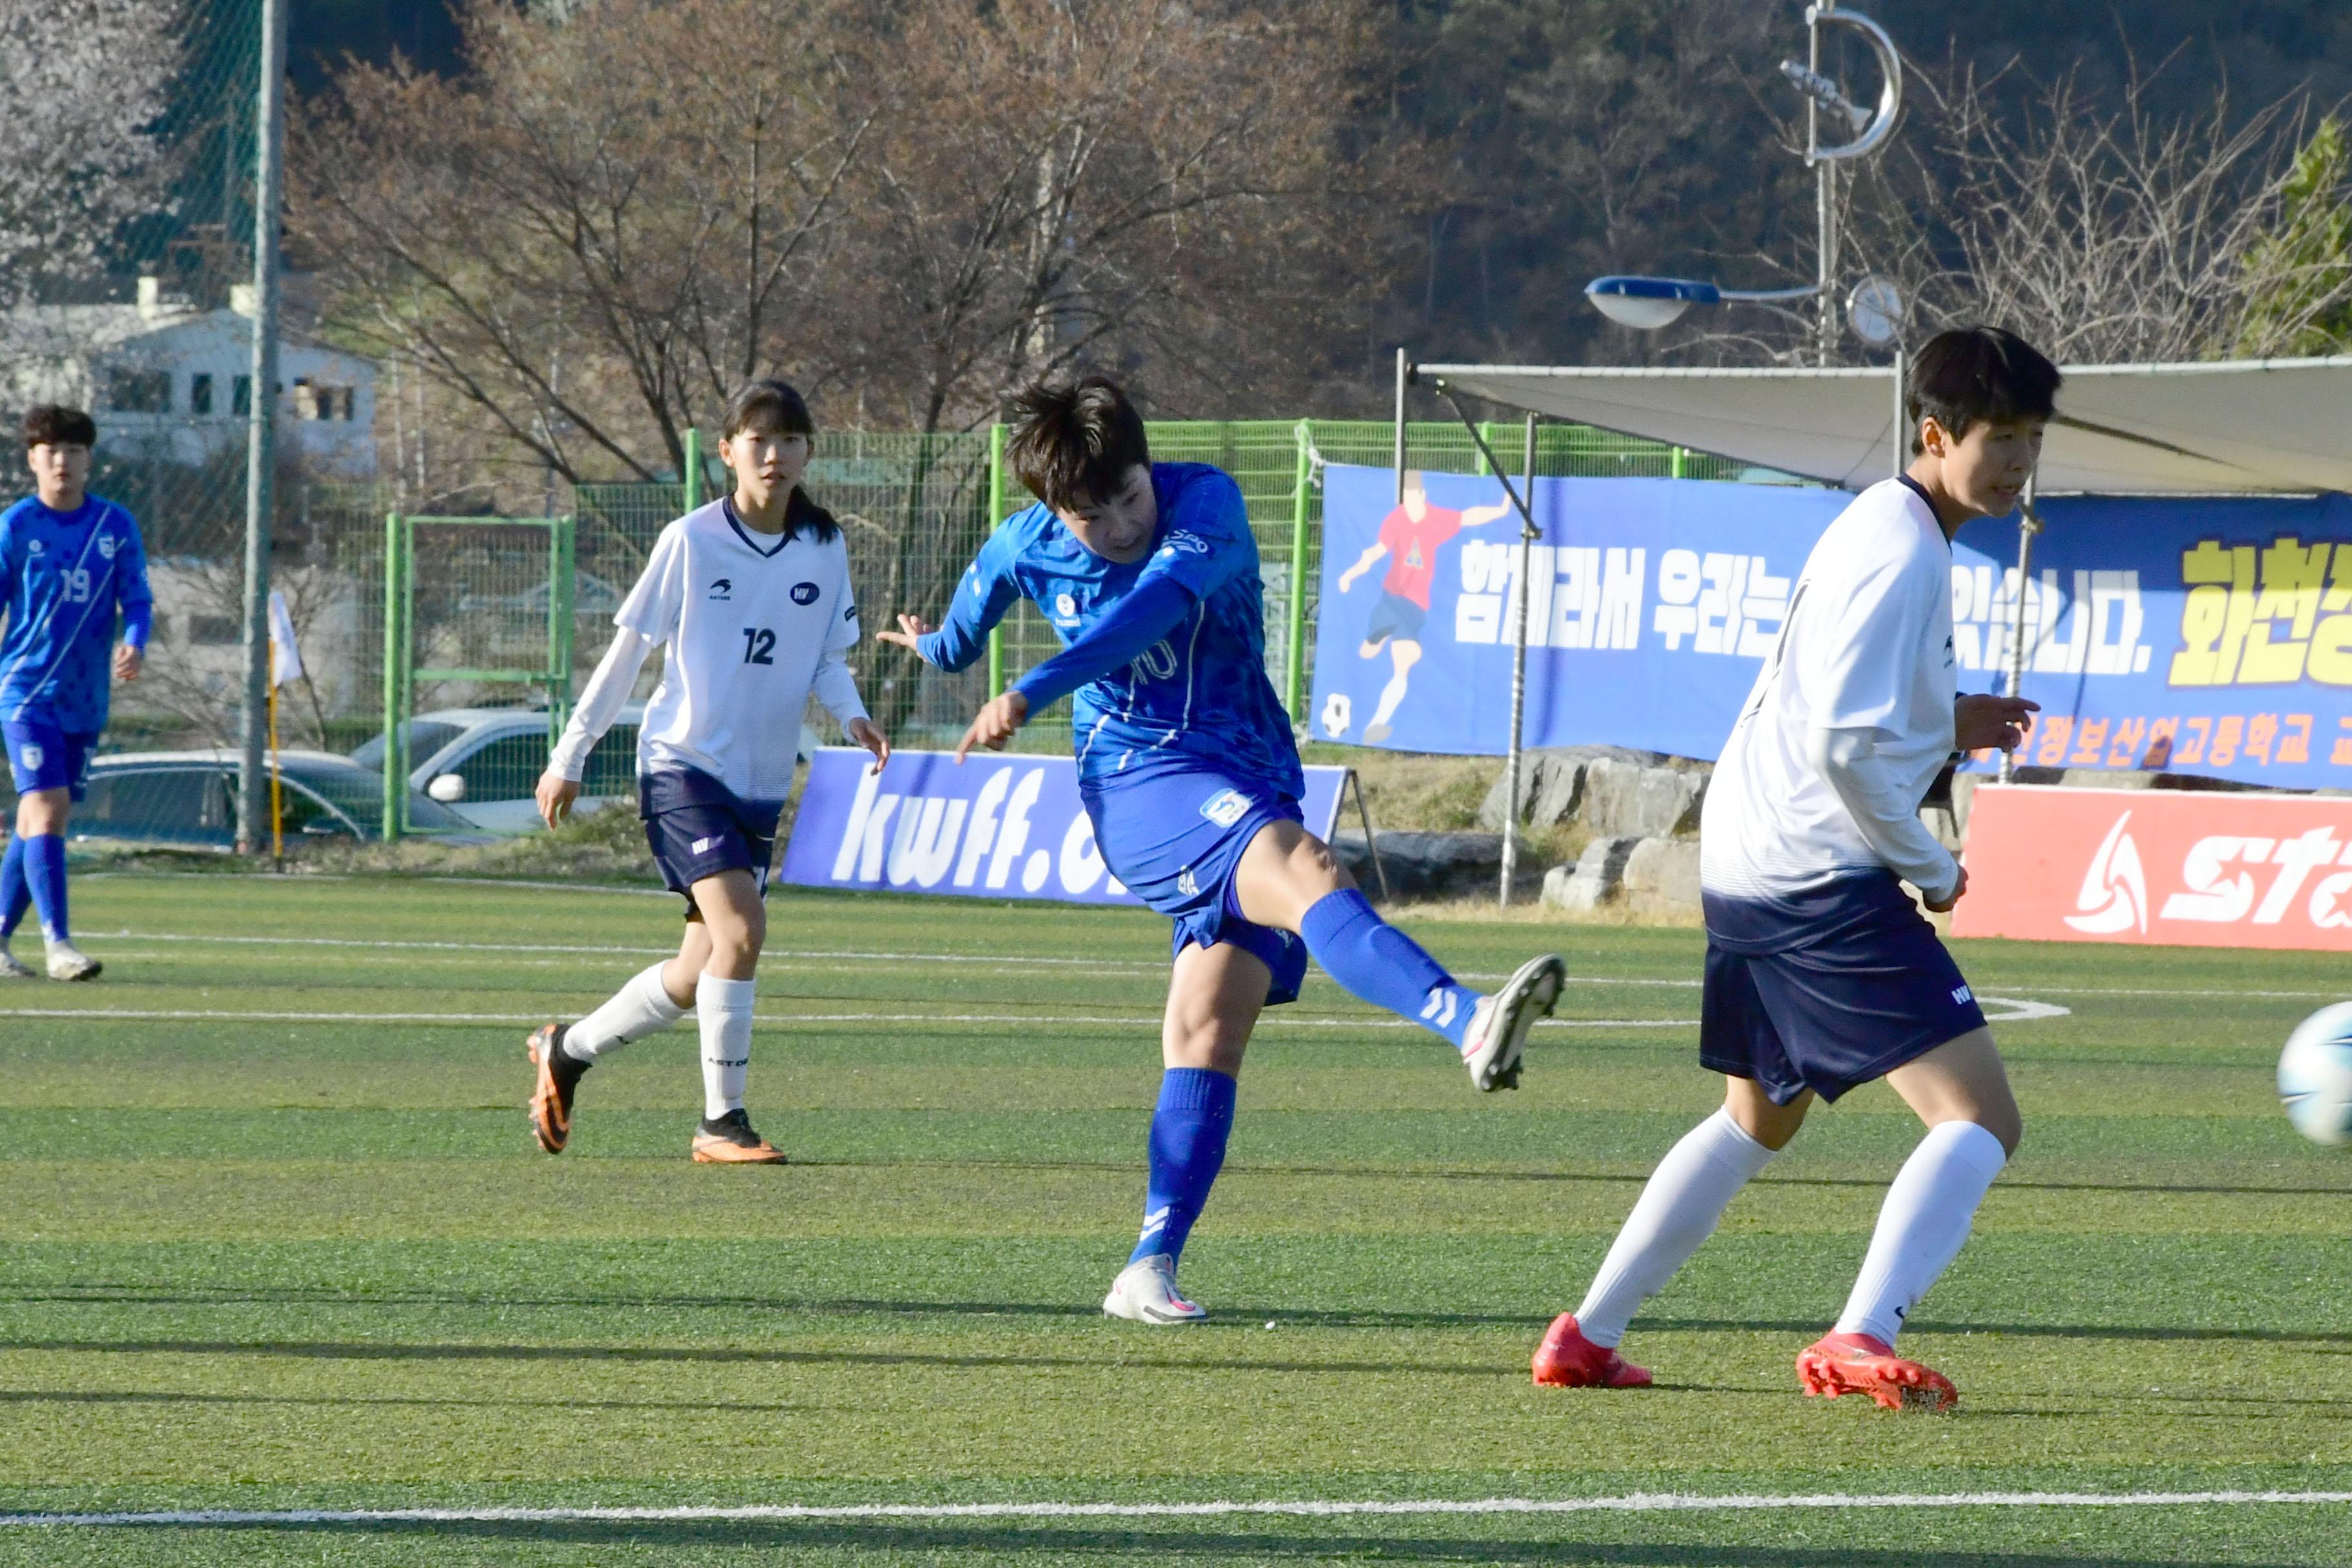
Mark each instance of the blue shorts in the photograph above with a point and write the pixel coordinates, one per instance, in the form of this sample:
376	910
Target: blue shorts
696	829
42	756
1174	834
1395	616
1828	989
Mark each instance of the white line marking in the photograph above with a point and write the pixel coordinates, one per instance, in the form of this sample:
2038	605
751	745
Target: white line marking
1637	1502
785	1020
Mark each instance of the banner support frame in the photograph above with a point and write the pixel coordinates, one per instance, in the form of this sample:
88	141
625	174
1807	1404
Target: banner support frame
1511	768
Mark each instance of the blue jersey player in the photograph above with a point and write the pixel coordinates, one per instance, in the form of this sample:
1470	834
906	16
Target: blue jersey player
70	562
1148	573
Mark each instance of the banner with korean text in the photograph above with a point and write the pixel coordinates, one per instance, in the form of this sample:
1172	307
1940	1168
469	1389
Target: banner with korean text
2195	635
995	828
2173	868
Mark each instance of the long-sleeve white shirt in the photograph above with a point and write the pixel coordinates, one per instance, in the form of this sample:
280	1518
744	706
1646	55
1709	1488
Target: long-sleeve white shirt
1850	720
750	626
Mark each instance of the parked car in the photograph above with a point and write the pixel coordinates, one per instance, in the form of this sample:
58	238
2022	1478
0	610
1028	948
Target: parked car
190	798
483	762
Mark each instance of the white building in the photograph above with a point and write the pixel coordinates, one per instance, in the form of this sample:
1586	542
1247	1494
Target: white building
168	380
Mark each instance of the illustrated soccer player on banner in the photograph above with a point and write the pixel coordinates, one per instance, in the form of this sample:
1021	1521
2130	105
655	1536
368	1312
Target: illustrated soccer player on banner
68	561
1821	973
749	600
1186	765
1410	536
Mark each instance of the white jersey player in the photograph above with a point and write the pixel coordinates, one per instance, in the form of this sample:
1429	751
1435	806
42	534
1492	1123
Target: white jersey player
1821	973
749	598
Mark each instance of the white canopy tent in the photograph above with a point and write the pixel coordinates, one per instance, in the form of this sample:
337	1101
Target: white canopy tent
2229	428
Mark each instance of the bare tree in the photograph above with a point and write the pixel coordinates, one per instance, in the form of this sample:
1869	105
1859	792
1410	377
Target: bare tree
610	220
82	83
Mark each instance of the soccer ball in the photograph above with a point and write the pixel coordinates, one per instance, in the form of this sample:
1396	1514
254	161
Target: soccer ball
2314	1074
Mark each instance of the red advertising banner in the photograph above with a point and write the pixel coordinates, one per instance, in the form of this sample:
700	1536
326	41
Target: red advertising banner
2178	868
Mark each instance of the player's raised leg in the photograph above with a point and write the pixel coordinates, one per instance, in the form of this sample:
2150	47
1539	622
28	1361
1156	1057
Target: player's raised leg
1679	1208
1961	1092
652	1000
1214	996
1289	880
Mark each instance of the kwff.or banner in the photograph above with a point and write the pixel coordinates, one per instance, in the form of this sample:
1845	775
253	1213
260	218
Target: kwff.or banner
2174	867
995	827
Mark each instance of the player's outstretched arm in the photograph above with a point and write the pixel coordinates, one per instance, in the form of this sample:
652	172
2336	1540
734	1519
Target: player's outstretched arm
1480	516
1364	563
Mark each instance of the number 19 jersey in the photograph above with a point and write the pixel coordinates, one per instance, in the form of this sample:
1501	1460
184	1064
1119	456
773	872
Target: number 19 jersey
749	622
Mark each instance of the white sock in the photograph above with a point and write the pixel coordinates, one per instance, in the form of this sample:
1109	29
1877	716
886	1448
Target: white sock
1390	695
1921	1225
725	1009
1677	1210
638	1009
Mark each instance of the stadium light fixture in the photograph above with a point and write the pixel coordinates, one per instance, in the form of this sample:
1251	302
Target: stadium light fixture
1649	303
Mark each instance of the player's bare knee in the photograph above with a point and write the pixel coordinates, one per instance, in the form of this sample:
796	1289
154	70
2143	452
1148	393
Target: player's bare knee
1213	1042
44	811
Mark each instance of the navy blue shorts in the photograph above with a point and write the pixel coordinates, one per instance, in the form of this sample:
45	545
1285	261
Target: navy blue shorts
698	828
1395	616
1174	835
1828	989
42	756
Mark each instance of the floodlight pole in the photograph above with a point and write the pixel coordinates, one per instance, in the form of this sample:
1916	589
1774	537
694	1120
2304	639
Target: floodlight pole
1518	672
1824	191
261	407
1403	374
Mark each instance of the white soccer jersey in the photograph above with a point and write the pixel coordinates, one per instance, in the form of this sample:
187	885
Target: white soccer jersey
1867	645
750	625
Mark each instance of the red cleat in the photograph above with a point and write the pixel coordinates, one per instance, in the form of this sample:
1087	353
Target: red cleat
1856	1364
1567	1359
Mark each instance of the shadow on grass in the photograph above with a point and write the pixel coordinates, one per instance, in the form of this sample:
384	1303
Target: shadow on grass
1251	1545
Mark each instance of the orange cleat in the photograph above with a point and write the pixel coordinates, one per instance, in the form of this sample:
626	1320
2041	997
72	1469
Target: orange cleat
550	1095
729	1140
1567	1359
1855	1364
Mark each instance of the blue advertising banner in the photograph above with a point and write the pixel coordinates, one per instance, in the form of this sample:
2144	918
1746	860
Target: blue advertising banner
2209	636
996	828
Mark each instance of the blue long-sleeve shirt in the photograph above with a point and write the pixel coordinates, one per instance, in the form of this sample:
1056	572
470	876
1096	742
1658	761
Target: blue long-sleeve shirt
1167	653
64	577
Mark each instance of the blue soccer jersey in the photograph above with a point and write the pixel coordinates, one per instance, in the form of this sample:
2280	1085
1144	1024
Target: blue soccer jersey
1199	693
63	577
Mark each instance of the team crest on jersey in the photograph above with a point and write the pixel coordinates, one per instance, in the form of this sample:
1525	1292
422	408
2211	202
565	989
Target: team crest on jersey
805	593
724	589
1225	807
35	547
32	755
1065	606
106	543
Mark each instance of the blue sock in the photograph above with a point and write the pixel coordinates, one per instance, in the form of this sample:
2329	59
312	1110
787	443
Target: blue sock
15	894
1379	965
44	869
1189	1130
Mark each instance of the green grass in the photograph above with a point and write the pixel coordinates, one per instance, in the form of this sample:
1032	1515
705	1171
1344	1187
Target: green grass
260	1261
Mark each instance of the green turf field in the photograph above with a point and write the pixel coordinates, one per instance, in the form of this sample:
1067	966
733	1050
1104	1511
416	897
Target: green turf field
273	1235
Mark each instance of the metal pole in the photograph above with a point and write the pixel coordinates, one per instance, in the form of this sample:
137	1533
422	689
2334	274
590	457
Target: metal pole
268	195
1518	677
2028	525
1824	171
1301	498
996	521
393	776
1902	420
1401	371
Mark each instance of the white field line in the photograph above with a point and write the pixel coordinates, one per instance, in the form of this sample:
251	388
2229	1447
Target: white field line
1637	1502
780	1020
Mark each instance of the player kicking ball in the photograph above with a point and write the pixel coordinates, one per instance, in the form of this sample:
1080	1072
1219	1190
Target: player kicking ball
749	600
1821	975
1189	773
68	561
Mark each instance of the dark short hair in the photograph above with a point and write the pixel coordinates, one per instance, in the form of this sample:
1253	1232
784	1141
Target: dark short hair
55	425
1979	376
1075	441
767	404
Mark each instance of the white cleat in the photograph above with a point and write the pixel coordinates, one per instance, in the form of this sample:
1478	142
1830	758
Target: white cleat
1499	1024
68	961
13	968
1145	1292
